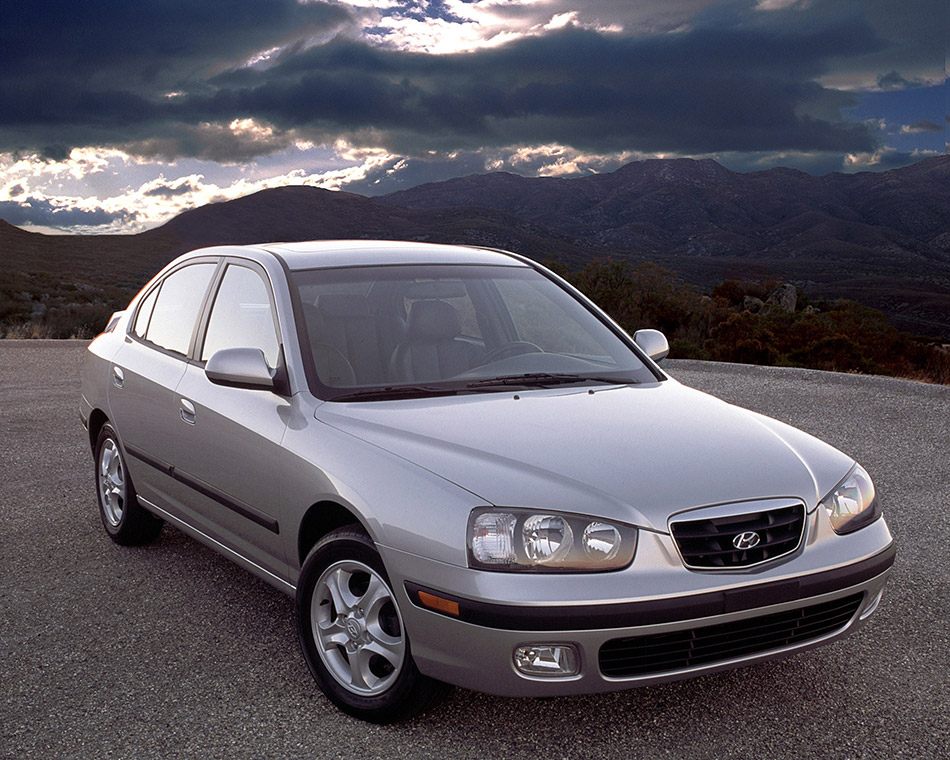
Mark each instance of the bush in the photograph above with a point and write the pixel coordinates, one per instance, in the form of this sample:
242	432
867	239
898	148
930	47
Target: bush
843	336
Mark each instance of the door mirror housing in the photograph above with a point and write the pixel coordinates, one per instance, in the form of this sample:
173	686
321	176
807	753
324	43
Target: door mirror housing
653	343
240	368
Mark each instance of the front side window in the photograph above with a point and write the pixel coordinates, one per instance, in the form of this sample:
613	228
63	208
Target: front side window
176	307
241	316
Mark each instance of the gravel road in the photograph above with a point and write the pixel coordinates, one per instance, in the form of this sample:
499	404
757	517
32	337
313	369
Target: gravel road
170	651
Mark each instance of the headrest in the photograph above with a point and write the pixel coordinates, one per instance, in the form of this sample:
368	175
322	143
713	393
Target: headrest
432	289
343	305
433	320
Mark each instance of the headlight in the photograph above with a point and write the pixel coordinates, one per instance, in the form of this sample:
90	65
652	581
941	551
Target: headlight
853	503
521	540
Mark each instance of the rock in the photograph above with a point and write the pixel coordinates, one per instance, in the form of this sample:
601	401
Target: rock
784	297
753	304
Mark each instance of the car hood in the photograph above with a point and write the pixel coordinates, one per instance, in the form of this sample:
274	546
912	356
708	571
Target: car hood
636	453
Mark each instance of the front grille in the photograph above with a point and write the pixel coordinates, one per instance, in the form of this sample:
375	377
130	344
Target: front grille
709	543
665	652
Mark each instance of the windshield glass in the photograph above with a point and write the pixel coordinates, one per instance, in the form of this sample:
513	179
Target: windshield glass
396	331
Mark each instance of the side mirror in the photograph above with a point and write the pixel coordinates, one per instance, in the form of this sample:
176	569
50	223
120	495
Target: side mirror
653	343
240	368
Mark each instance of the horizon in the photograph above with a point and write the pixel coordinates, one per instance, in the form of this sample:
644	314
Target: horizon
115	118
156	225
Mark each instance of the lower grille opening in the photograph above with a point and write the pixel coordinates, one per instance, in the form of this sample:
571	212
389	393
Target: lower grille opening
664	652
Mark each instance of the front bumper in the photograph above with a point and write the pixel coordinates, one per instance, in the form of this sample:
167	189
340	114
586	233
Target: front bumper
779	614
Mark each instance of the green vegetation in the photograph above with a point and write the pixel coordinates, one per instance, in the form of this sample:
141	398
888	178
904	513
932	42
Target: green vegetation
735	322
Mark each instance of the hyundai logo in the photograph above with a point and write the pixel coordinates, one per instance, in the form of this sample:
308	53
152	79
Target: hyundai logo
748	540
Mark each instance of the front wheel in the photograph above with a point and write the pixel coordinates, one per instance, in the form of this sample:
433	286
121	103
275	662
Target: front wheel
352	633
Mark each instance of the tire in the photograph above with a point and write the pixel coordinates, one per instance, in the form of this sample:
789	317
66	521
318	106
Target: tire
352	634
125	520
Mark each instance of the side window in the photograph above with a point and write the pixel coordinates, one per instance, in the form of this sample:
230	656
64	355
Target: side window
145	313
241	316
177	306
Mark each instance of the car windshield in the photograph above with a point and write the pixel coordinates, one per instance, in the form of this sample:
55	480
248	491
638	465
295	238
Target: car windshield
376	332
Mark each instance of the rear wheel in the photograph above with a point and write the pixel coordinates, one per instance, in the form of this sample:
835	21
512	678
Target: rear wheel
125	521
352	633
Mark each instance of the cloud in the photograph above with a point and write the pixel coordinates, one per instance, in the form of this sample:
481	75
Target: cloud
885	158
914	37
162	189
729	82
83	72
61	213
920	127
894	81
67	199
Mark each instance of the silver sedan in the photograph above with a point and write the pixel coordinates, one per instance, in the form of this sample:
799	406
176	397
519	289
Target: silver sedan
465	473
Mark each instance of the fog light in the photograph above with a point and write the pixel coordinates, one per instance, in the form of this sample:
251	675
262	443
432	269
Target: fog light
546	660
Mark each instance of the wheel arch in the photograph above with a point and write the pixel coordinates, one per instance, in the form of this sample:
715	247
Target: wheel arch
320	519
97	418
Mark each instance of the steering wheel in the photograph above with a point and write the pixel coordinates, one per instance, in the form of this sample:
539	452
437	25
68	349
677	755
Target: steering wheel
514	348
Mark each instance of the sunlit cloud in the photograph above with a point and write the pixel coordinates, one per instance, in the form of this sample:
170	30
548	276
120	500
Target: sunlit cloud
64	195
780	5
462	26
920	127
885	158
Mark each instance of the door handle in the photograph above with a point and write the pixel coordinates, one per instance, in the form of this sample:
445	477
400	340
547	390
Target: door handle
188	412
118	377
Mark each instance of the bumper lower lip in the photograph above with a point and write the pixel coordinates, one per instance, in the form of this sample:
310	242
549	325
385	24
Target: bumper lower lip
651	612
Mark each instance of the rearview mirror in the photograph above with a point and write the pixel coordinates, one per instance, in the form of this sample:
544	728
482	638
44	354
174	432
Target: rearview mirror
653	343
240	368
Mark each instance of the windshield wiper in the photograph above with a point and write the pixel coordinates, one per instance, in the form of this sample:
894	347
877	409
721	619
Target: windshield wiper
527	380
544	380
396	392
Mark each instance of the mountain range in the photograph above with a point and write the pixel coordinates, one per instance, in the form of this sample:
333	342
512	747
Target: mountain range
879	238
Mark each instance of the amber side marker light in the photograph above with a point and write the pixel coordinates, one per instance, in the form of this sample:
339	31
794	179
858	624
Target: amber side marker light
438	603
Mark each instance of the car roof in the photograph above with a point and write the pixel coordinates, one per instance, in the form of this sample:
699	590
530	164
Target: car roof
336	253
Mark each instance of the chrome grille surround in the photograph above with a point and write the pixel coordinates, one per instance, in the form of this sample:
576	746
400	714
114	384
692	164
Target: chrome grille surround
711	539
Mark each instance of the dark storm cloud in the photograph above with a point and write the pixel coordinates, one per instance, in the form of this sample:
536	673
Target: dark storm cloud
894	81
171	190
83	72
736	81
715	88
41	212
155	43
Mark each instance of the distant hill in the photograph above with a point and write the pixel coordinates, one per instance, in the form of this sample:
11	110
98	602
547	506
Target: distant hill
882	239
310	213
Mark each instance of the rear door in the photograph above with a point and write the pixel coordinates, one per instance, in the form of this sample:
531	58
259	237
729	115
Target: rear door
144	374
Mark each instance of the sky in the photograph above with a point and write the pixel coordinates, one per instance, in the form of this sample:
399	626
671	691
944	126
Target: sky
115	116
